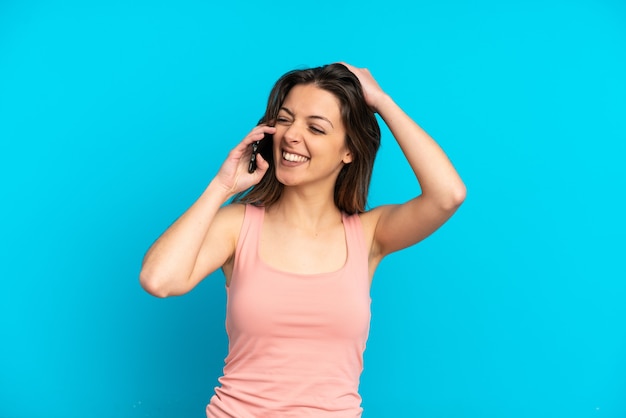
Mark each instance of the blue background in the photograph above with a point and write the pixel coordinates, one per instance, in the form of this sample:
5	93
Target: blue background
114	115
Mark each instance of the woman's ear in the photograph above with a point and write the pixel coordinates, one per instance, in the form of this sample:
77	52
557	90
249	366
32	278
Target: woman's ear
347	158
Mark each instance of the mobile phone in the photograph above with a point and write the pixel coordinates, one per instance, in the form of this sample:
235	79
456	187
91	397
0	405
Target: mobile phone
255	151
262	146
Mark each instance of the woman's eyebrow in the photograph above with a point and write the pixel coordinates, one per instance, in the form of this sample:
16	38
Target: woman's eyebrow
309	117
321	118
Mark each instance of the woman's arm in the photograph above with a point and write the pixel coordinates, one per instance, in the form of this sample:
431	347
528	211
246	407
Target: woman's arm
204	237
443	191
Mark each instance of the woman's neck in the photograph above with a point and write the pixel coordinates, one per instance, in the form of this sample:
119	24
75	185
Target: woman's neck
305	210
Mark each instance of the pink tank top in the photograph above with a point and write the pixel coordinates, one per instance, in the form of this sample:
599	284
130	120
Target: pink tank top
296	341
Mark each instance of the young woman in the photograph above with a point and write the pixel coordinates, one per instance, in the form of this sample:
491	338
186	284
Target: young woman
296	245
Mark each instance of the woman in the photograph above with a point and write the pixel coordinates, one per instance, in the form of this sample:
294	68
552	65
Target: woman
297	247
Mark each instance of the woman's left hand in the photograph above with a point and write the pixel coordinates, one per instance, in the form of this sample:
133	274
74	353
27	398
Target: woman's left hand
374	94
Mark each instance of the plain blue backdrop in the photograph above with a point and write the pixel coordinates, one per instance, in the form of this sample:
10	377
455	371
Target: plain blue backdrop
114	115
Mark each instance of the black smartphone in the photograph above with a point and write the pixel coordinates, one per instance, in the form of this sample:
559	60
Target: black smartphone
257	147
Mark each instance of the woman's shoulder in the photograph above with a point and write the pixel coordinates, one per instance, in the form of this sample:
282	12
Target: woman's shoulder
370	218
231	216
370	221
232	210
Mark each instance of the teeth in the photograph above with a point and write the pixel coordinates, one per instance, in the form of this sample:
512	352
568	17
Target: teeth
294	157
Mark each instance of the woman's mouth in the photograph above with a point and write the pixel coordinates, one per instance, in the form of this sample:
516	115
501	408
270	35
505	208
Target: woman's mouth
294	158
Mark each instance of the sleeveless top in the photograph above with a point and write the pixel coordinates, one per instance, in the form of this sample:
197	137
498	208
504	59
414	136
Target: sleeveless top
296	341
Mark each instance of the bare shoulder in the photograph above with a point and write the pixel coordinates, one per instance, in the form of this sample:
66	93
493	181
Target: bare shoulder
229	219
232	211
371	218
369	221
221	239
226	229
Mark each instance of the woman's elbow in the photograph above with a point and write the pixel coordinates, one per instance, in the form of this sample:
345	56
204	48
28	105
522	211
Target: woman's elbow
456	197
151	283
460	192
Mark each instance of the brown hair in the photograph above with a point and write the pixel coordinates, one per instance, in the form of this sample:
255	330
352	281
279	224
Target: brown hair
362	137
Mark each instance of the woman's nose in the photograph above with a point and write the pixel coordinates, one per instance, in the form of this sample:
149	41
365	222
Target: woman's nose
293	134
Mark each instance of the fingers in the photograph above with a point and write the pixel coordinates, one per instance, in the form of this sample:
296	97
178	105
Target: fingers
350	67
360	73
247	149
258	133
261	164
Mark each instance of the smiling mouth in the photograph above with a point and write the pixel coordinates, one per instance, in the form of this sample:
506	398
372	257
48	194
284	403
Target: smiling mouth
294	158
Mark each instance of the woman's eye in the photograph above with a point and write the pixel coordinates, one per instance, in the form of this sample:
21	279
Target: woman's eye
316	130
281	119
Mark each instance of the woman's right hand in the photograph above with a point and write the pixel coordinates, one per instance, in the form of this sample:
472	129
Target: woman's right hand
233	176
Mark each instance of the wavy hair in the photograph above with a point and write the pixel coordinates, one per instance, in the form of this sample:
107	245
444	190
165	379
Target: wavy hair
362	137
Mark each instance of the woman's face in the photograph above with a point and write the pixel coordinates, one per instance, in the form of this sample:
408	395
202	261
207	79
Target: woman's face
309	143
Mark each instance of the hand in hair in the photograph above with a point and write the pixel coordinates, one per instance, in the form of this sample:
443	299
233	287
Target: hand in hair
373	93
